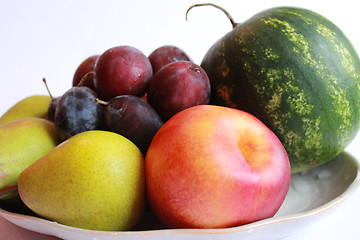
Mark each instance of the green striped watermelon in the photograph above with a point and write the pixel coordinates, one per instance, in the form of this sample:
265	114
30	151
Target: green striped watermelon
298	73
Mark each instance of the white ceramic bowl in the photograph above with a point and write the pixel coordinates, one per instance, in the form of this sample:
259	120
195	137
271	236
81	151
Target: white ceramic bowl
312	196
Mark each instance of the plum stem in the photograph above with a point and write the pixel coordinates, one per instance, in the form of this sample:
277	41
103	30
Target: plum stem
47	88
101	102
83	79
8	189
233	23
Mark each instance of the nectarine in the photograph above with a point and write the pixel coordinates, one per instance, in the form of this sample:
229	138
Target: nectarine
215	167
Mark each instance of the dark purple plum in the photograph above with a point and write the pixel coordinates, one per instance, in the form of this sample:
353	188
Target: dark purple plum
165	55
77	111
85	67
52	108
122	70
133	118
53	103
177	86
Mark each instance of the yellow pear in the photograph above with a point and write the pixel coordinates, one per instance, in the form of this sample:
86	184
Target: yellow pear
33	106
94	180
22	142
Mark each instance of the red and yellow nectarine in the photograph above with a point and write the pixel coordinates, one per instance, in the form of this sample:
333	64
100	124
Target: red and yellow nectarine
215	167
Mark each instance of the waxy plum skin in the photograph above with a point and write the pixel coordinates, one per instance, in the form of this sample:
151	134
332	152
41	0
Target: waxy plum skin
177	86
133	118
77	111
165	55
122	70
84	68
52	108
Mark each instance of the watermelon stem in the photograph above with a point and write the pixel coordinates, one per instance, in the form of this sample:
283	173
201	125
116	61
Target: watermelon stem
233	23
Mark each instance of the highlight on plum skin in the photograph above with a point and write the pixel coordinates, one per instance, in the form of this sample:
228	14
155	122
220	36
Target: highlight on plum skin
177	86
165	55
133	118
85	67
122	70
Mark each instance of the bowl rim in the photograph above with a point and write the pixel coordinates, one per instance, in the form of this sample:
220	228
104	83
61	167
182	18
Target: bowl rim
353	186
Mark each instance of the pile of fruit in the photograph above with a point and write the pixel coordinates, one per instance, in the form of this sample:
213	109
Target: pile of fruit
116	93
138	132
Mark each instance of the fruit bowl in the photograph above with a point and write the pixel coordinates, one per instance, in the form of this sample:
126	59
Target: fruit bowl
312	196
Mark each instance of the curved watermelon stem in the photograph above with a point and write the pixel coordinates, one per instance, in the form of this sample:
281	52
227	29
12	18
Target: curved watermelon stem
233	23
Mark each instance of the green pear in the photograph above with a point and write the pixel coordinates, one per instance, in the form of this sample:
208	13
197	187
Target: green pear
94	180
33	106
22	142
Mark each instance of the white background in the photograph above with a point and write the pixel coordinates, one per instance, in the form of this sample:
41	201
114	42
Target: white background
51	38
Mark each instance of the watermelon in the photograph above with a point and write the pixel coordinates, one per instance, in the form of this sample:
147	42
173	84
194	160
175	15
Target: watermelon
298	73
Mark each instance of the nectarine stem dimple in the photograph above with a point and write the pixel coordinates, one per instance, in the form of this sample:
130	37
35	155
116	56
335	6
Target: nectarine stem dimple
233	23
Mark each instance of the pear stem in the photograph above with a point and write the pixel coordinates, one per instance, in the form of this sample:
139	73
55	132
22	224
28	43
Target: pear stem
83	79
47	88
101	102
9	189
233	23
